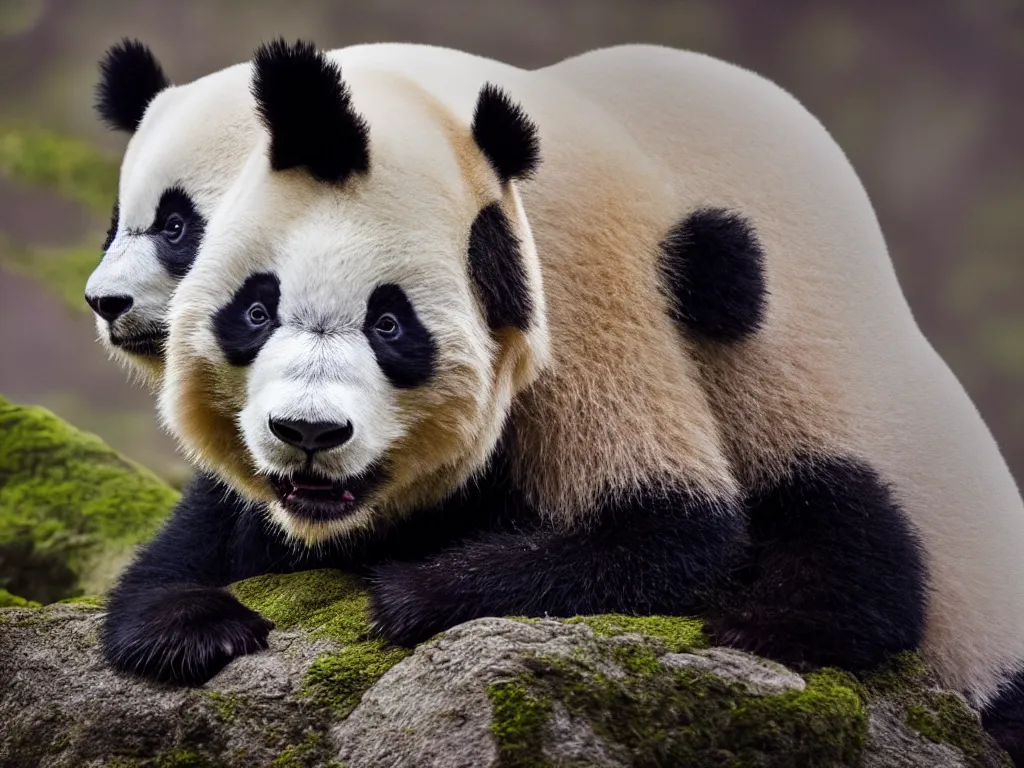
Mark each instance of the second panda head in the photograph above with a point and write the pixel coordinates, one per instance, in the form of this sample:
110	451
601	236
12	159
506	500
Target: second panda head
188	143
368	301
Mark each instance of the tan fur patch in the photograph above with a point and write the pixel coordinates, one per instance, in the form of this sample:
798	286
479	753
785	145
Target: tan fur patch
621	405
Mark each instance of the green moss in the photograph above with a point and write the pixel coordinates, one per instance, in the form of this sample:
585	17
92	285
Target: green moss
900	673
339	680
71	508
299	755
678	634
330	605
226	706
7	600
638	659
178	758
91	601
670	716
518	721
327	603
938	715
72	168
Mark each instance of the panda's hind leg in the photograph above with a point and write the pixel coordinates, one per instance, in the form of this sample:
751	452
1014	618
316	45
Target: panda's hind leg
836	576
1004	719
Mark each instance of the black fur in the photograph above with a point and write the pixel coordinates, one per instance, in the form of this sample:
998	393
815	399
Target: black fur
505	134
1004	719
130	76
496	269
301	99
836	575
713	269
407	358
653	552
115	216
178	256
239	338
168	616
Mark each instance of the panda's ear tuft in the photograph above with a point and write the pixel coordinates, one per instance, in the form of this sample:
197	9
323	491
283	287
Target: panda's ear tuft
130	76
306	107
505	134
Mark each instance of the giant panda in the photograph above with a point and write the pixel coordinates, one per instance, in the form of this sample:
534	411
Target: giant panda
626	323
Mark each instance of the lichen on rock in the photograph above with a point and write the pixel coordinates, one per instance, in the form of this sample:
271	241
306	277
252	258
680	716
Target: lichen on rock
71	508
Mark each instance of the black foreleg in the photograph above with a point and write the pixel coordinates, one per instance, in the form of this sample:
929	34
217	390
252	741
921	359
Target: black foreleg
655	553
168	616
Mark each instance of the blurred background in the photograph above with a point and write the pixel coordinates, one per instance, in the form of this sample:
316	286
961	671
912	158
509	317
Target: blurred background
925	96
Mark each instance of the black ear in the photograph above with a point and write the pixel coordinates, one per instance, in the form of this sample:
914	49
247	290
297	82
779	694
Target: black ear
130	76
505	134
303	102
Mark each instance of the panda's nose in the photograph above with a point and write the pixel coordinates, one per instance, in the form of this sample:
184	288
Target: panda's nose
311	435
109	307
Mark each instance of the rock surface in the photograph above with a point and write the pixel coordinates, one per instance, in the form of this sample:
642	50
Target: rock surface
602	691
71	508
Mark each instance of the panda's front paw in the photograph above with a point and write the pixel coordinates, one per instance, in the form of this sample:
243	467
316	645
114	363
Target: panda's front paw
406	608
182	635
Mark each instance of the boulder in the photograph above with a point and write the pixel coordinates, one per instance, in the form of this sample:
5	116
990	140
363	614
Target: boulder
71	508
597	691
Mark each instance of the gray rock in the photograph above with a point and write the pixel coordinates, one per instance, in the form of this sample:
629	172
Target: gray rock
492	692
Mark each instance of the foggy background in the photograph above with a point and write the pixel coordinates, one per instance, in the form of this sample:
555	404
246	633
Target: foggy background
924	96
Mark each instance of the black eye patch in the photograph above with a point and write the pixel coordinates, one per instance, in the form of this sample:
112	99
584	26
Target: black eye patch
405	350
178	256
243	325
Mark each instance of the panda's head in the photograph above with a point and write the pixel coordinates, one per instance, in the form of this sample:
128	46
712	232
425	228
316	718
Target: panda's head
367	302
188	143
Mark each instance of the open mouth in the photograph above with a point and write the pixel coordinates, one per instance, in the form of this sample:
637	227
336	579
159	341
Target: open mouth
144	345
318	498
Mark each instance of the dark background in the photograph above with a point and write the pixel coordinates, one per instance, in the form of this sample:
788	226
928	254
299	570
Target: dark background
924	96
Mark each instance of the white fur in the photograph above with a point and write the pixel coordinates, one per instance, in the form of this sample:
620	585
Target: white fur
633	138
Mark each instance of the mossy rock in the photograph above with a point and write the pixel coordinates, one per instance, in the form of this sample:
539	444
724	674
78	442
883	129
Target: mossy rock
608	691
71	508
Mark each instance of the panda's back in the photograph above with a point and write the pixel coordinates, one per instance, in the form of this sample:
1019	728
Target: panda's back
839	364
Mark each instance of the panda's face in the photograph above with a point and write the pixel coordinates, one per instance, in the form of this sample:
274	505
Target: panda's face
330	352
187	150
344	342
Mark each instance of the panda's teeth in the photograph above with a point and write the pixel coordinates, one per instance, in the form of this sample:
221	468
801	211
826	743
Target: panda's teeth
347	496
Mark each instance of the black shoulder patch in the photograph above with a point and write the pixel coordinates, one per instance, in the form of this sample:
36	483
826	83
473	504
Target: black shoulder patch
244	324
505	134
130	76
302	101
496	269
713	267
837	574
